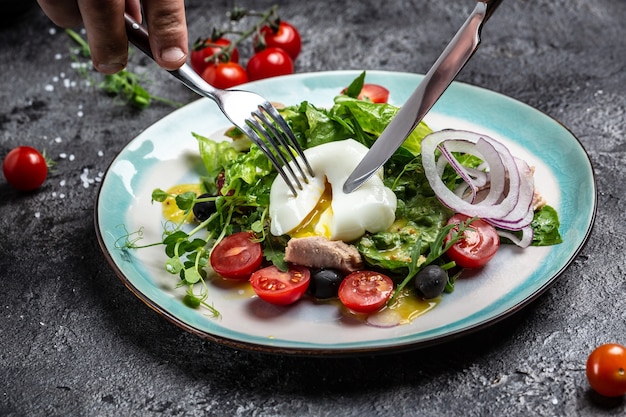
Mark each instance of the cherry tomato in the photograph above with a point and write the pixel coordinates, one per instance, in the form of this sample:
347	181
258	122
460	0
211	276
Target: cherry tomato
270	62
606	370
204	49
477	246
285	37
365	291
224	75
25	168
373	92
237	256
278	287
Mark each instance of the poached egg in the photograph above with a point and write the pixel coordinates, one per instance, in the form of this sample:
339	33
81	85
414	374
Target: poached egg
321	208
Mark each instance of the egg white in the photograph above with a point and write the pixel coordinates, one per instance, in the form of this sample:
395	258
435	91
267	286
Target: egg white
369	208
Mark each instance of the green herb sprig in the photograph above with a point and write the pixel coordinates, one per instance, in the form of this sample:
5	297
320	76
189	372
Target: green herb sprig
436	251
125	85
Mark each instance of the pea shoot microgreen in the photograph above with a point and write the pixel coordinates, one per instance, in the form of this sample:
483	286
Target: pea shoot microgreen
187	256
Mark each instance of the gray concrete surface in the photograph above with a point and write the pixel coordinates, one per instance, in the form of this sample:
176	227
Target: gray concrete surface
75	342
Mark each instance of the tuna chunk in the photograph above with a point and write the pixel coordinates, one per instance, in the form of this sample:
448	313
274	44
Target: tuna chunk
319	252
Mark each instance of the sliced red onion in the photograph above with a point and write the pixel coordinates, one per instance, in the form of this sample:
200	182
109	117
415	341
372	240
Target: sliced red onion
524	241
506	180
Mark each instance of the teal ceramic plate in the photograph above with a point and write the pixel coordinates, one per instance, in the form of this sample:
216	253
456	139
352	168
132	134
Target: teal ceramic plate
165	154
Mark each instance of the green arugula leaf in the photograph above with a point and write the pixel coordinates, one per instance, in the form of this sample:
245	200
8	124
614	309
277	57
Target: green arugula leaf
355	87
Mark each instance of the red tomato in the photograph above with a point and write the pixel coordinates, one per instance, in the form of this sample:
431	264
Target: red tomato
224	75
204	49
285	37
365	291
236	256
25	168
270	62
372	92
606	370
278	287
477	246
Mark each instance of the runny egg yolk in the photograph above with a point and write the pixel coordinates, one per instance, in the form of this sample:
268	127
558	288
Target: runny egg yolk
321	208
311	224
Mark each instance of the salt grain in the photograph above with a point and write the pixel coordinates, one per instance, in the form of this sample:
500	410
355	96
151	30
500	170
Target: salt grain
62	183
62	155
72	157
37	215
58	139
52	31
84	177
49	87
80	114
100	153
58	56
79	65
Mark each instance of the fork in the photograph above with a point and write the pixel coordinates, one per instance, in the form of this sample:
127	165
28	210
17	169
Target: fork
249	112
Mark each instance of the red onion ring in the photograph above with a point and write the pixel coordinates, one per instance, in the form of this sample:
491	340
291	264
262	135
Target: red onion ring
509	181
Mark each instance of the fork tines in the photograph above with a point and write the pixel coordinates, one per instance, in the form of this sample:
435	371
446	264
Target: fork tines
267	126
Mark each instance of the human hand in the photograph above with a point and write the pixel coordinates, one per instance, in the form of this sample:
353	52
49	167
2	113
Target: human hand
106	33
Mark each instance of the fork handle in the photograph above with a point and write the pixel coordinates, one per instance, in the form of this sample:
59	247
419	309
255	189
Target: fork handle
138	36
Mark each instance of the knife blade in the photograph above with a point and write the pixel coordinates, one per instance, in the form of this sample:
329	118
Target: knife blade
435	82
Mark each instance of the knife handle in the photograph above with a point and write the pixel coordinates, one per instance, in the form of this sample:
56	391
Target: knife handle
491	6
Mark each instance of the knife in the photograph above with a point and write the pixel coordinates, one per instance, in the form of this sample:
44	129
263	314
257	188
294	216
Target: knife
435	82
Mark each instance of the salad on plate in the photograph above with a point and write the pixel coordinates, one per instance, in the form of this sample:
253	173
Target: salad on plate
386	253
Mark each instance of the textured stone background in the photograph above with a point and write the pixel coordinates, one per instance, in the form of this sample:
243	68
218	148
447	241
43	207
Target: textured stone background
74	341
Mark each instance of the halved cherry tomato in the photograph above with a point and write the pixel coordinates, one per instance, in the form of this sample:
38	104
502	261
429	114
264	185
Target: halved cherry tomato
25	168
270	62
278	287
606	370
285	37
237	256
224	75
365	291
477	246
206	48
372	92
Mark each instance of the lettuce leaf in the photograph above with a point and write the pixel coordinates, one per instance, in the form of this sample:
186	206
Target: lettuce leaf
361	120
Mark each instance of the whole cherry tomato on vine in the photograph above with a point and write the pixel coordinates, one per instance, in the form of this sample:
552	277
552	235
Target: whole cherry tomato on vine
284	36
270	62
224	75
606	370
202	50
